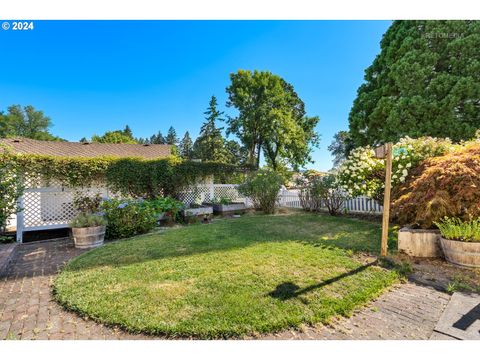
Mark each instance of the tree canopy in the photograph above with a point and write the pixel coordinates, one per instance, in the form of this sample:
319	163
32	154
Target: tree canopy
271	120
341	146
424	82
116	137
27	122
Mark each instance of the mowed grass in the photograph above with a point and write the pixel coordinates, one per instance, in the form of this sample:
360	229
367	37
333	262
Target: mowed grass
255	274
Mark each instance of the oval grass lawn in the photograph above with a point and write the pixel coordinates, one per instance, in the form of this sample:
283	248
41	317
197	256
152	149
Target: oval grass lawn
256	274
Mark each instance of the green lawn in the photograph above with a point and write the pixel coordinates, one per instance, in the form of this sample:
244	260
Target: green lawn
234	277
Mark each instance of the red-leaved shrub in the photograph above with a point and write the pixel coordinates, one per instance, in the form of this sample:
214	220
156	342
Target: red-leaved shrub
447	185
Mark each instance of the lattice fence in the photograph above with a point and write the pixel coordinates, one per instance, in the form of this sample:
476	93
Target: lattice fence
210	192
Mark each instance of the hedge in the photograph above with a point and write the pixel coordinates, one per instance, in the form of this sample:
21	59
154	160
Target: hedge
134	177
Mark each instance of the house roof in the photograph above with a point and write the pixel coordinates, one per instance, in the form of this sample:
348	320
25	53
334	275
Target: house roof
88	150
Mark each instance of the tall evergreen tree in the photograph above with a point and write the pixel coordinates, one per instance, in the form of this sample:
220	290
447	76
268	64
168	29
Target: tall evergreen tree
157	138
128	132
425	81
186	146
171	138
209	146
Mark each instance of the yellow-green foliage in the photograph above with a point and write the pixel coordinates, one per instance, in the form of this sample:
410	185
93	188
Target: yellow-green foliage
456	229
130	176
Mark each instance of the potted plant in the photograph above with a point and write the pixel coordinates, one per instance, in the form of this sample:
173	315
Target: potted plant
460	241
225	205
88	230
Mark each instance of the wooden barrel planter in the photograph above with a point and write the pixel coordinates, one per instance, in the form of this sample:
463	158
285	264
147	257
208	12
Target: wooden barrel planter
461	253
89	237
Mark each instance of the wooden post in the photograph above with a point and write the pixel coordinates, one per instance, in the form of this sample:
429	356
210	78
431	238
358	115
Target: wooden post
386	197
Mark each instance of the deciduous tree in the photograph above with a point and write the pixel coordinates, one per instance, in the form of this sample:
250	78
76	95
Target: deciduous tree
271	119
25	122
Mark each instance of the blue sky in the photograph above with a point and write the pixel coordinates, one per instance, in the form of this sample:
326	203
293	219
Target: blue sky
94	76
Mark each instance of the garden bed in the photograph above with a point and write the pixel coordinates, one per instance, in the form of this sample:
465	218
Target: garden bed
227	208
258	274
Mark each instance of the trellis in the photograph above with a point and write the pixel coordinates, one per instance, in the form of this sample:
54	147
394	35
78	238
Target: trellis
49	205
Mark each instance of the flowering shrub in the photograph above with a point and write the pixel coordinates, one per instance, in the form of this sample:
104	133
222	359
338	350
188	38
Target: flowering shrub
363	174
447	185
263	187
126	218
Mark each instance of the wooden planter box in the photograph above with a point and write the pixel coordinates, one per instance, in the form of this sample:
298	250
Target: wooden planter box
461	253
201	211
227	208
419	242
90	237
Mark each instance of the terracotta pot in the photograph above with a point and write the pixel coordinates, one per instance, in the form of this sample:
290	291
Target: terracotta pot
89	237
461	253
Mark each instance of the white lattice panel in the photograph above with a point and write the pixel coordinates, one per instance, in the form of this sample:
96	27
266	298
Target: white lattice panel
227	191
196	194
44	207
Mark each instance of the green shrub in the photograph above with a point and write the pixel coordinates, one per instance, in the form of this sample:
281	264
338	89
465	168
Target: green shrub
456	229
83	220
325	191
165	205
126	218
262	188
442	186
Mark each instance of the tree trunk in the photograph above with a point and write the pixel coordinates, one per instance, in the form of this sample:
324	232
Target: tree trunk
259	151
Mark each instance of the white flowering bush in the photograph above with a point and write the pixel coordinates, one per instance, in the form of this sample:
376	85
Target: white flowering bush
361	174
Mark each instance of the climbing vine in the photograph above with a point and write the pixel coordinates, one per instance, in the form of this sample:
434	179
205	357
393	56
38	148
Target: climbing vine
134	177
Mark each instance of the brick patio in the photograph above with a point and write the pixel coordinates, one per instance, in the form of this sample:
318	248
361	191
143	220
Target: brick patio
27	310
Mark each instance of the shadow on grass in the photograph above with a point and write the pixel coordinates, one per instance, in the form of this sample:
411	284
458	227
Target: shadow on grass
289	290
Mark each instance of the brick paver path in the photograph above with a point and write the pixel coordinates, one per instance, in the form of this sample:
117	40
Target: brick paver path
27	310
407	311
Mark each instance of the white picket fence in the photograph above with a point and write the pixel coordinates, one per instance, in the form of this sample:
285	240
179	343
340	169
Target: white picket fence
51	207
361	204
